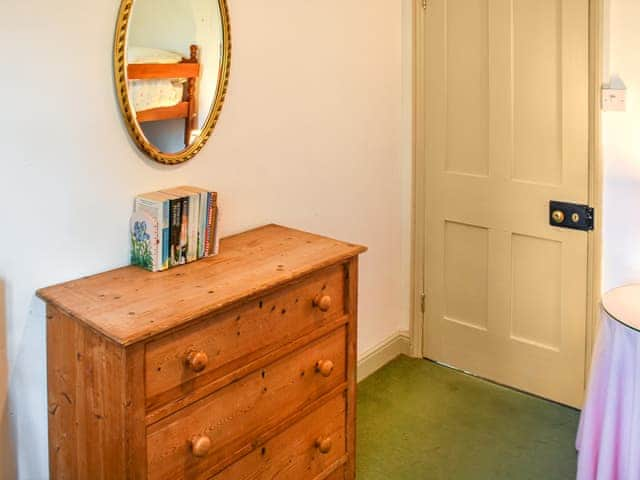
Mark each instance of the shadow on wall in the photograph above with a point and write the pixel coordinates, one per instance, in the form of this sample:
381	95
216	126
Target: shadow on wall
621	232
7	453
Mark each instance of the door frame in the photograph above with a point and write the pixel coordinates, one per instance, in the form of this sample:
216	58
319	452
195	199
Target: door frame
594	258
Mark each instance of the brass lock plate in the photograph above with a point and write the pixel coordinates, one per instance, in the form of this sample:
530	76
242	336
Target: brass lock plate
570	215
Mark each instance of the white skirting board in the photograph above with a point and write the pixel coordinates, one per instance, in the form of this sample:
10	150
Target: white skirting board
378	356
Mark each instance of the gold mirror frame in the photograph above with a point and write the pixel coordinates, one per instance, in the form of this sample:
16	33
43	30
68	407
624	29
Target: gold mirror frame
120	68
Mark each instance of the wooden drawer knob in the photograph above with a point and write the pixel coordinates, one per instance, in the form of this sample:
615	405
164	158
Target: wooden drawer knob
324	367
323	445
200	445
323	302
197	361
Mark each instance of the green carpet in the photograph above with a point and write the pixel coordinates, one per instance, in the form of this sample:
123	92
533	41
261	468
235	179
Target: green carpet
420	421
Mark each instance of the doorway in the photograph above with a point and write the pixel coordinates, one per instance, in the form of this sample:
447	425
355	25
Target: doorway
505	123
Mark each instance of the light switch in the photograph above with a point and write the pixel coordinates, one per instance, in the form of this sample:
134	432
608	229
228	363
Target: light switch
614	99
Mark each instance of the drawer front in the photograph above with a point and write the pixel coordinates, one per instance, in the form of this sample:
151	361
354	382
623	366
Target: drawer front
180	363
306	451
199	437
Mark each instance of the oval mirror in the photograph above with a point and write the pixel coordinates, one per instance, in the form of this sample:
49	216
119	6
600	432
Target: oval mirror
171	62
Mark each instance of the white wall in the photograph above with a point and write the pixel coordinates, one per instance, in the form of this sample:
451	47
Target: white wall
311	136
621	147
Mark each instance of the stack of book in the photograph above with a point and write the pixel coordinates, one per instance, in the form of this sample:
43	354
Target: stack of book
173	227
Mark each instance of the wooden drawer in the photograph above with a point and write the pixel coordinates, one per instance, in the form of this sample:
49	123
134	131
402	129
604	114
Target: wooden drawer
221	344
294	454
124	404
231	419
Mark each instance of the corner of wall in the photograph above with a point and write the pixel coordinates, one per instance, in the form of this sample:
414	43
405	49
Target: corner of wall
377	357
7	450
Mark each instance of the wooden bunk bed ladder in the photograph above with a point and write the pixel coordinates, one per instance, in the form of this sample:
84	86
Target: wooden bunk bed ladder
188	68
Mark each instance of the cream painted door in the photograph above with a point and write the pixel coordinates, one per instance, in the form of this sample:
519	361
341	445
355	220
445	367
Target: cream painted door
507	131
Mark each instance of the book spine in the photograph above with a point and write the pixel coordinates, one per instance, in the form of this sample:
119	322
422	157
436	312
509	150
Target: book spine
216	230
202	223
165	235
208	226
194	214
213	226
184	231
156	243
174	241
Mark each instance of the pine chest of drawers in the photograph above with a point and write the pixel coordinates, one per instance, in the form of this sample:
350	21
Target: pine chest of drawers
239	366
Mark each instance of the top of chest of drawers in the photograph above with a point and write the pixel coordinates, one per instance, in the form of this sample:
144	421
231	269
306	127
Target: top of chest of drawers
130	304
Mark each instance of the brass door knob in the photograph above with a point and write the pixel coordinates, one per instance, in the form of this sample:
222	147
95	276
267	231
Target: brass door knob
197	361
324	367
200	445
557	216
323	302
323	445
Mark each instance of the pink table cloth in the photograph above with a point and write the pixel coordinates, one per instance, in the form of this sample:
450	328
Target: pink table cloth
608	440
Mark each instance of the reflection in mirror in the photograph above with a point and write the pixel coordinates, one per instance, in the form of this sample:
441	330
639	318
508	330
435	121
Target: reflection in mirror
174	56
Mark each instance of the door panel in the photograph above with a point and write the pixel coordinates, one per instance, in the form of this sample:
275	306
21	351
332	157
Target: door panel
536	273
465	269
467	102
506	92
537	91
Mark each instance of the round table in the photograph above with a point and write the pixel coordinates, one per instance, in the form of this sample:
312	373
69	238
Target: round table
608	440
